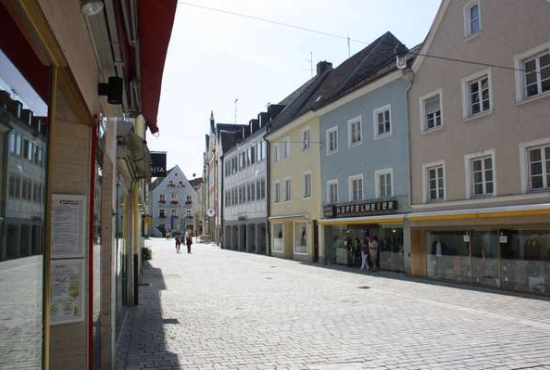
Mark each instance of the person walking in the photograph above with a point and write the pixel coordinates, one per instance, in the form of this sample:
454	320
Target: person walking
373	251
178	243
188	241
365	254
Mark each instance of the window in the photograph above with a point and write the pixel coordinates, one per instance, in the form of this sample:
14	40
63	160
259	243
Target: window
174	213
13	145
482	176
253	155
435	179
12	185
161	213
277	191
17	186
332	191
539	168
477	94
354	132
188	213
306	138
258	189
307	185
286	148
382	122
332	140
276	153
263	187
355	188
431	111
278	237
263	149
161	198
253	190
384	183
18	140
537	74
472	19
300	237
26	148
288	190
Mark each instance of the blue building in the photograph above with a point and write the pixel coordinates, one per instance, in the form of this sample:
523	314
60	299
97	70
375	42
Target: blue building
365	174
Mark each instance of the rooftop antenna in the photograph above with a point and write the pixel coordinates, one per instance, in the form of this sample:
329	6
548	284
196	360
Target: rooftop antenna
236	101
310	60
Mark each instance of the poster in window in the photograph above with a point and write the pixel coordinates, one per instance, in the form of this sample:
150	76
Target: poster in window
68	236
67	291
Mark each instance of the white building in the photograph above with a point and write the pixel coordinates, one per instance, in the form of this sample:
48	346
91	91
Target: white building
174	203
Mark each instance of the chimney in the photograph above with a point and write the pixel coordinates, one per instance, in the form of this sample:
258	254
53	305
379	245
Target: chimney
274	109
323	66
253	123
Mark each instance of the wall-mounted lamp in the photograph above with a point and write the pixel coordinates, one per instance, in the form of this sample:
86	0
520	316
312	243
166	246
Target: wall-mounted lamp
91	7
112	89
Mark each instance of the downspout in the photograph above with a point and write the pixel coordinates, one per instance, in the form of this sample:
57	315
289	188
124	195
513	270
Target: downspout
91	247
222	206
268	189
135	238
409	76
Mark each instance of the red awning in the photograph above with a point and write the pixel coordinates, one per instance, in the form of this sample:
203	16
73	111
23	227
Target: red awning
156	19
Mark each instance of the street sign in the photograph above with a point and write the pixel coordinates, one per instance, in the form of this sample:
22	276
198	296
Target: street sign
158	164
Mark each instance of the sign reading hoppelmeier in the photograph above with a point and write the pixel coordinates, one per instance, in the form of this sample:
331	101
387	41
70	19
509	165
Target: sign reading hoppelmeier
158	164
360	209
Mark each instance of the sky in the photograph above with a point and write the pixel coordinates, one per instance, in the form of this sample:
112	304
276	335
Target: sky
214	58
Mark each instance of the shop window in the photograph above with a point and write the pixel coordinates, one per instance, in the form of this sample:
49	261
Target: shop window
278	238
300	237
448	256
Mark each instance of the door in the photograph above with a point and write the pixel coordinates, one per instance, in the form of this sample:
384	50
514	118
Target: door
315	242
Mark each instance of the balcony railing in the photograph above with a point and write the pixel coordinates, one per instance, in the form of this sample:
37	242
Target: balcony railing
174	202
162	216
162	201
188	202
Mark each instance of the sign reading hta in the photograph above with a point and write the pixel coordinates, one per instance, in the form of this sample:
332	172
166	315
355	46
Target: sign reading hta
158	164
360	209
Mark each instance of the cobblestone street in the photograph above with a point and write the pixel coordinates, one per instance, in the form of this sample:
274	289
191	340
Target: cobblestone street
219	309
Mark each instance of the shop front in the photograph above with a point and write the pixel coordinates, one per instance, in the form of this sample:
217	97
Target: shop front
506	248
346	226
294	237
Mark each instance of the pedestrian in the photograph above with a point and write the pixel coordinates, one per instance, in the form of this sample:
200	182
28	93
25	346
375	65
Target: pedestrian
373	251
349	247
178	243
188	241
365	254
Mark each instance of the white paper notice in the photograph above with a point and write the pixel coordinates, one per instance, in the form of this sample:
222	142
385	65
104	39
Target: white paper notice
66	291
68	225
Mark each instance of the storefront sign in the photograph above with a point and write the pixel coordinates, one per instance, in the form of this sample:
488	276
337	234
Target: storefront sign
158	164
68	225
67	291
360	209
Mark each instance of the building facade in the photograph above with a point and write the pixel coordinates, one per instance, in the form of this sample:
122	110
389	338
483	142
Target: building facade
245	192
366	128
174	204
480	146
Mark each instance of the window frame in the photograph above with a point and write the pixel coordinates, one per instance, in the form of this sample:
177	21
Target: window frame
328	192
425	181
423	121
277	191
468	19
287	181
350	187
377	175
466	96
304	183
375	113
286	147
294	237
303	142
351	122
525	165
276	154
469	178
327	134
519	63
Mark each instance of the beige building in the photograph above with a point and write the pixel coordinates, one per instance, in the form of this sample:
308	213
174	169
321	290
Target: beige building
480	146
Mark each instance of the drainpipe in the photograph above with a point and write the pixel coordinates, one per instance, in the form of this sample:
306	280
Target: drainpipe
268	188
409	76
222	206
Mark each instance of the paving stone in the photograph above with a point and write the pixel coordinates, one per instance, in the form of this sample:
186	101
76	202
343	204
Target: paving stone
222	313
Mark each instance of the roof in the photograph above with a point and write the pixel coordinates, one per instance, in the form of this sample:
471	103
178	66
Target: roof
158	180
360	69
356	71
196	183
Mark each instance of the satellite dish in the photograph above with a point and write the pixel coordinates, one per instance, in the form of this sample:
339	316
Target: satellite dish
211	212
